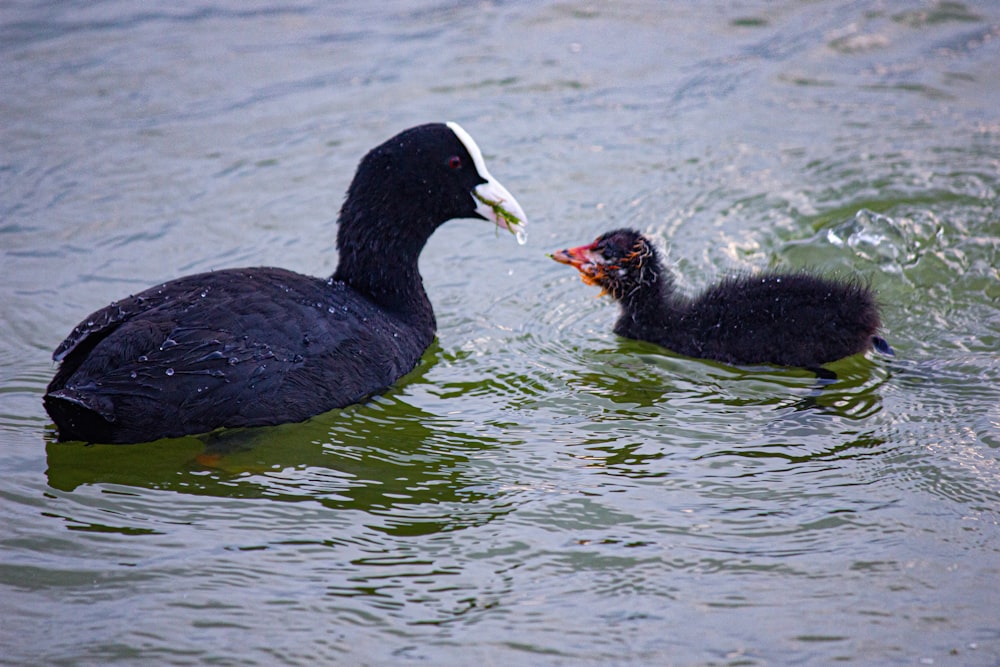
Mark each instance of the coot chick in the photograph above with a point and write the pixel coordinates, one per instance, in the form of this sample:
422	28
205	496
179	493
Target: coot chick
259	346
785	319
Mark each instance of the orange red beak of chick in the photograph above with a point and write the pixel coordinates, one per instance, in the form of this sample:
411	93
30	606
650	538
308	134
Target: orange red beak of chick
591	265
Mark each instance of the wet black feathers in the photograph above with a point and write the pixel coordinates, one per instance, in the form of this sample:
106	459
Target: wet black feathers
247	347
789	319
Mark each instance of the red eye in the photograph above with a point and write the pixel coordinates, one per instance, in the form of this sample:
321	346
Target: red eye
455	162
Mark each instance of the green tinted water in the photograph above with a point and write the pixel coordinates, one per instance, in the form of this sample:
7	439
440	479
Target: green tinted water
538	491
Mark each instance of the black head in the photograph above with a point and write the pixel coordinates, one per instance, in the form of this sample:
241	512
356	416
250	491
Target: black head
411	184
620	262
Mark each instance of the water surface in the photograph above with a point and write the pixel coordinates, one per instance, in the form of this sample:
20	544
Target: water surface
538	491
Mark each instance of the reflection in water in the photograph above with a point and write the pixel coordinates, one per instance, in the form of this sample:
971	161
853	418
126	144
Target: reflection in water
637	376
648	410
387	458
802	450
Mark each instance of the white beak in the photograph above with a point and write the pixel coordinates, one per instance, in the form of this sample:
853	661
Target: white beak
493	201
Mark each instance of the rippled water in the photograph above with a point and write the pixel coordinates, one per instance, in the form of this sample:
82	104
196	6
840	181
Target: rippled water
538	491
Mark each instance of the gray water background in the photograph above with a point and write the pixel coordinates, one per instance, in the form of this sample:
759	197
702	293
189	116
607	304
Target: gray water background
538	491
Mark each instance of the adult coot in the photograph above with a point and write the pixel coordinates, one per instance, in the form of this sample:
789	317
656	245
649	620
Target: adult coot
258	346
787	319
